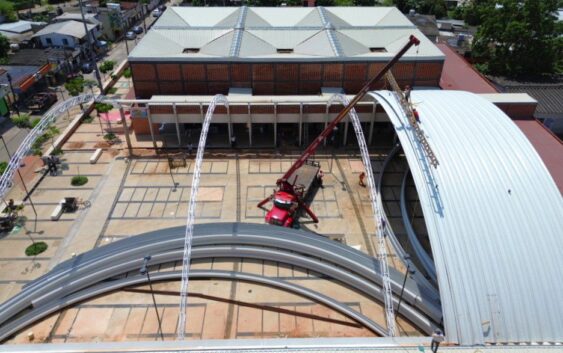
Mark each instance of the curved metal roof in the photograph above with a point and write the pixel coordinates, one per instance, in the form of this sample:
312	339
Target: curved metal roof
494	218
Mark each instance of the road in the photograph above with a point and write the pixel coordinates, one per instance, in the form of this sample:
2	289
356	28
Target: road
120	50
14	135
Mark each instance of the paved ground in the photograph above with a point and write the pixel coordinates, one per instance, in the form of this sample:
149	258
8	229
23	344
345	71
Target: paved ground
130	197
133	195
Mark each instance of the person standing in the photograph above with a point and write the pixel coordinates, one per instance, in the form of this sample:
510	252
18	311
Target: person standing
362	178
320	177
437	338
408	94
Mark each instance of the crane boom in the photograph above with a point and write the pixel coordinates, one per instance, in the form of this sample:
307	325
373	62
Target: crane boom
284	182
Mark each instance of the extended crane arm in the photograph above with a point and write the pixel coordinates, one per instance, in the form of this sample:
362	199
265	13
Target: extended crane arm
283	183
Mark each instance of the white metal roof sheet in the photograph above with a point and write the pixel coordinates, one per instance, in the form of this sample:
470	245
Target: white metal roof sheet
369	16
283	39
494	217
284	16
310	32
201	16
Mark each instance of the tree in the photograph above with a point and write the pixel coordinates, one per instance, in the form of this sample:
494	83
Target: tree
104	108
107	66
7	10
4	47
75	86
427	7
519	38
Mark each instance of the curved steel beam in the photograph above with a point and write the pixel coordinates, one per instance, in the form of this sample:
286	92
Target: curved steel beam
109	270
402	254
88	264
100	264
38	130
53	306
422	255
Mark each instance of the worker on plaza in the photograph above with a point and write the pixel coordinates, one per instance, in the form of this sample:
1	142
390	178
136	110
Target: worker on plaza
190	148
437	338
408	93
416	116
362	178
11	206
320	177
233	141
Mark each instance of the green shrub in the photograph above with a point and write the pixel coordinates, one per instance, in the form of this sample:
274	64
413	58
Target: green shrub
127	73
57	151
36	248
107	66
112	90
110	136
22	121
3	167
35	122
88	119
78	180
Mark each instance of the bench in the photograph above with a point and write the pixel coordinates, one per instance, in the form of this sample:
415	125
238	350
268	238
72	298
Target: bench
94	158
58	211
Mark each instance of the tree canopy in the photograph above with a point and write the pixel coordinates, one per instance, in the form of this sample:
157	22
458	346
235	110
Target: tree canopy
518	38
7	10
4	47
426	7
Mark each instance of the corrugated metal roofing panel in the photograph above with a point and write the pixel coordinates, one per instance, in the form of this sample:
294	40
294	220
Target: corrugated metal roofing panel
283	16
203	16
164	42
220	46
317	45
367	16
283	39
253	46
170	18
349	46
494	218
393	40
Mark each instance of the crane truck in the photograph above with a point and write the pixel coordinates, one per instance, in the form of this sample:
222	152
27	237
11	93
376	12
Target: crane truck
296	184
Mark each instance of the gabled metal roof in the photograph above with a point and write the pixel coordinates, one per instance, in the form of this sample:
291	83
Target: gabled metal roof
319	33
494	217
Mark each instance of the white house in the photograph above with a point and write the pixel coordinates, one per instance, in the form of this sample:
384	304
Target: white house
67	34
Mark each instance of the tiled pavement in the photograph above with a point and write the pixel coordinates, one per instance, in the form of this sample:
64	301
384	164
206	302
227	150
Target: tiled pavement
138	195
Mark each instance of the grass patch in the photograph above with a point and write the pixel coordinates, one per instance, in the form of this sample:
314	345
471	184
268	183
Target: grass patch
36	248
112	90
78	180
57	151
3	167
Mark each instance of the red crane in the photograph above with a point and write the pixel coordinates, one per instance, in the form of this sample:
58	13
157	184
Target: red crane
293	186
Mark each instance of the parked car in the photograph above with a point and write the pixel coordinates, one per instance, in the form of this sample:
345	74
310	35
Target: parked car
161	8
156	13
130	35
40	102
87	68
138	29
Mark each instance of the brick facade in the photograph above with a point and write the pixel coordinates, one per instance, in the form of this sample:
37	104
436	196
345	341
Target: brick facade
271	78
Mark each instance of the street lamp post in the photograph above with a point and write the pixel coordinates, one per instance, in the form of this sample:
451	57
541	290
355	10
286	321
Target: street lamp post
145	271
15	101
24	187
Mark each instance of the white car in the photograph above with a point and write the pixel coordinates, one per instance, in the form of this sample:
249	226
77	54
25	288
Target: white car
156	13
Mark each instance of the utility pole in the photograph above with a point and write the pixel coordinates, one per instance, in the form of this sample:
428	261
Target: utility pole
92	57
15	101
28	195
